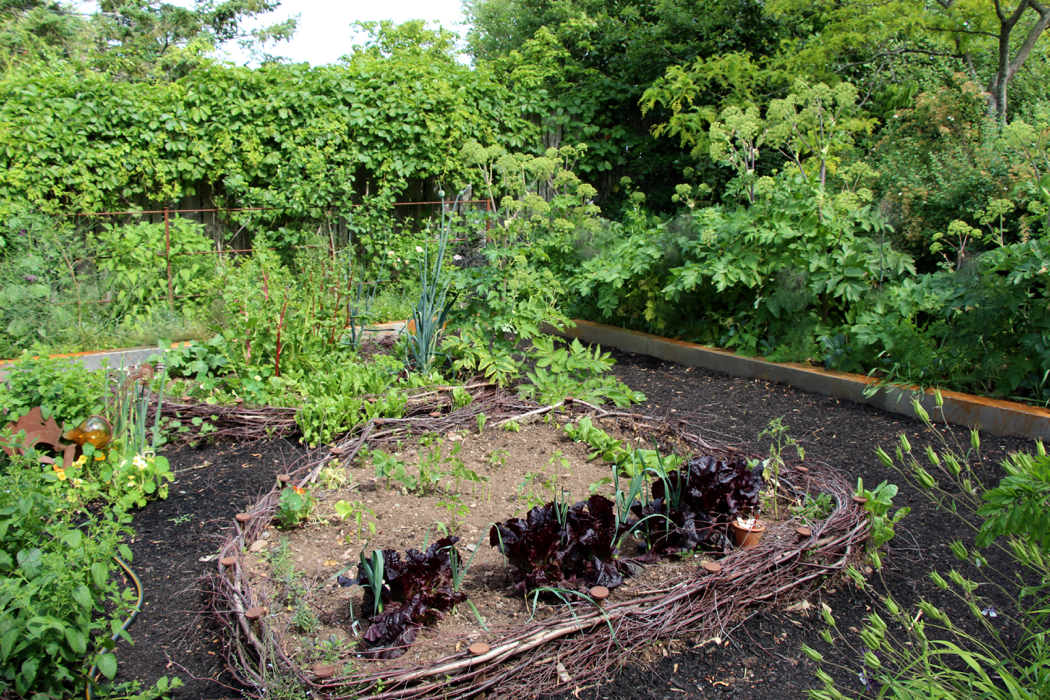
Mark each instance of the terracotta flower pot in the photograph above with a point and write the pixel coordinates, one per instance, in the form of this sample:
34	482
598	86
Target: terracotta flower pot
747	536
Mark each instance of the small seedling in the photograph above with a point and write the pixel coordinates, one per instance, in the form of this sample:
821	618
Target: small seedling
357	512
498	458
559	458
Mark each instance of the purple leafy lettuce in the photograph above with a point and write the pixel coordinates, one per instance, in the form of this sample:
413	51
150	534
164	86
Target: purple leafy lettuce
416	590
693	505
576	552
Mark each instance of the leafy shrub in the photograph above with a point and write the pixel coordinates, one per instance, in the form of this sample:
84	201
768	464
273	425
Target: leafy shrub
57	600
65	390
574	371
139	276
562	546
1017	506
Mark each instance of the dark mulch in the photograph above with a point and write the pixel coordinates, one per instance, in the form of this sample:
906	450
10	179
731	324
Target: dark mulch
759	660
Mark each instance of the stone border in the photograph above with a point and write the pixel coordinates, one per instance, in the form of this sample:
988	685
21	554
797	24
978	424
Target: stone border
990	415
128	357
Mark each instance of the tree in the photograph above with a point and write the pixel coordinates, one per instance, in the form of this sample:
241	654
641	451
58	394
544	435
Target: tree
991	41
130	39
597	58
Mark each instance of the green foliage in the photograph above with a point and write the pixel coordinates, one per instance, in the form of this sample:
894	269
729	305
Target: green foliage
136	266
922	652
58	604
132	39
64	390
294	506
630	462
61	290
297	138
813	508
362	516
607	447
199	360
431	311
939	161
574	371
796	256
780	440
345	396
387	466
878	503
1018	506
584	65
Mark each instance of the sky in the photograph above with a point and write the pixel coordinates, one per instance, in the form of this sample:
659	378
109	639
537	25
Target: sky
324	25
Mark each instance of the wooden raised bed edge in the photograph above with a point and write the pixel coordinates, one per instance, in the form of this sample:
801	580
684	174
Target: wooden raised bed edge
990	415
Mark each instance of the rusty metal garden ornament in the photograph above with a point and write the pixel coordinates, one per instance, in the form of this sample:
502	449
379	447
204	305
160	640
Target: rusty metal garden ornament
37	433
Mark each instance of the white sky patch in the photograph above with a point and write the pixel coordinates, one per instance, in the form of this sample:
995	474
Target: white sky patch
324	32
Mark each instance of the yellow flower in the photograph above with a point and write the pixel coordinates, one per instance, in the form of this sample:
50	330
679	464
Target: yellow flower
80	461
100	456
61	474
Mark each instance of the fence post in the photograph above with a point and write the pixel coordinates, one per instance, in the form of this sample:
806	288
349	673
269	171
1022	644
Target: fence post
167	258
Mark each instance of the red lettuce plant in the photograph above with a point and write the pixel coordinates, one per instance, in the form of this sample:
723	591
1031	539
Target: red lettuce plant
694	505
559	546
413	591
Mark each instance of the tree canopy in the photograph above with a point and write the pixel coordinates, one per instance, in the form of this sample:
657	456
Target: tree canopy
130	39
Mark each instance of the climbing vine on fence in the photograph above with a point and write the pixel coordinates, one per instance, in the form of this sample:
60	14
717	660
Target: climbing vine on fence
287	136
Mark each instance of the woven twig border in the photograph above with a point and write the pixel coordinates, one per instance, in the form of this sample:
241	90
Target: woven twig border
583	642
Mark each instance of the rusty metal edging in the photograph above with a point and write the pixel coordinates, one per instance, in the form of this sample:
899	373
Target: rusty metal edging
990	415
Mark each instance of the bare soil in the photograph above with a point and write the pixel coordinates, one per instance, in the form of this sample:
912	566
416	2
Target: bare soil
759	659
519	470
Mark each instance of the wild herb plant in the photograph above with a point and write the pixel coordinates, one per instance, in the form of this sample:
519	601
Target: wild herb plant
58	599
456	509
387	465
878	503
526	495
334	475
780	440
498	458
813	508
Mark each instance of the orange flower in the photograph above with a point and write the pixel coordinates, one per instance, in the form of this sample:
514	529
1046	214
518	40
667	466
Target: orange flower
299	490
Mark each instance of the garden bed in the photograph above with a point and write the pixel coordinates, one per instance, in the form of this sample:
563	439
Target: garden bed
529	650
759	659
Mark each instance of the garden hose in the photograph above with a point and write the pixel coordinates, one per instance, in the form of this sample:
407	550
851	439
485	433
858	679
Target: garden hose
94	673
